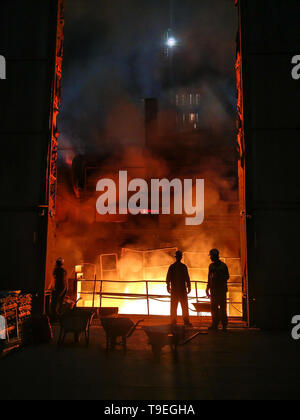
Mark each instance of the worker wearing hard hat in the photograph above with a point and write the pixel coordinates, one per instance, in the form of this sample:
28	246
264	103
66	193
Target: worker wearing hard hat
60	288
217	289
179	286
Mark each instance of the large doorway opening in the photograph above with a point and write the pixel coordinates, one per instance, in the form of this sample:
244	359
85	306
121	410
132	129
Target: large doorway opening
150	89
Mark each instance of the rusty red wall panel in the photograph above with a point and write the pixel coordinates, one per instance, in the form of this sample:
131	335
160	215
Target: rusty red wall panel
28	101
53	145
271	131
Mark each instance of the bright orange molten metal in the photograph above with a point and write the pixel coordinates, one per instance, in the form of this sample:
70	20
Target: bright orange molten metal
136	283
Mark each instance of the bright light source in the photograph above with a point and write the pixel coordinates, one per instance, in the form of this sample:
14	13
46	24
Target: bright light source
78	269
171	42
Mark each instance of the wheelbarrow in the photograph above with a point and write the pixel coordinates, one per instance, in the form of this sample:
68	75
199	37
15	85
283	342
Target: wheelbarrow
118	327
76	321
199	307
202	307
164	335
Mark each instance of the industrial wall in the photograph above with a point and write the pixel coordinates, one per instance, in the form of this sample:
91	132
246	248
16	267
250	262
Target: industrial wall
269	141
28	102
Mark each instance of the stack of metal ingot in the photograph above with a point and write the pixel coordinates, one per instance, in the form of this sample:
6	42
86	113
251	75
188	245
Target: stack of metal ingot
15	314
24	317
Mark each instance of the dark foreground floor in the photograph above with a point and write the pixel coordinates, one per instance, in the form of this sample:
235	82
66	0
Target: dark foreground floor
242	364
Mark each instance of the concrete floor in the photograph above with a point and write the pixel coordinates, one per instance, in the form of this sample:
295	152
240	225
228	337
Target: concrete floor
242	364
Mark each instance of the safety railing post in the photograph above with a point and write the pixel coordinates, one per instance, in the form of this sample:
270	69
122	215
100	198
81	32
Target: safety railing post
147	292
101	286
94	291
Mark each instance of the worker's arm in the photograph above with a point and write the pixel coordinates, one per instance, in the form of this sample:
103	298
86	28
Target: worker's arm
226	272
208	288
65	280
168	281
188	281
226	275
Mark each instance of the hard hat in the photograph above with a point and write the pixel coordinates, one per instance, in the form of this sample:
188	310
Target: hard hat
214	252
178	254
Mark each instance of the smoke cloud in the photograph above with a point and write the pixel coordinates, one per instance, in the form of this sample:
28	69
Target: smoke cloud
114	58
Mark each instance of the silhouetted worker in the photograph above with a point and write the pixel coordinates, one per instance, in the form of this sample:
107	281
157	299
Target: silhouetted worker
217	289
60	288
179	286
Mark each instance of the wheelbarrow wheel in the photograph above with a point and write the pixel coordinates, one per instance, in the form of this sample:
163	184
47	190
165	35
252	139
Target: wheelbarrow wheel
61	338
156	350
87	338
124	344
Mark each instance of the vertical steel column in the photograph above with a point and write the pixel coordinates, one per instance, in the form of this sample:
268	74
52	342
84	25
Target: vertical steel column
101	287
147	291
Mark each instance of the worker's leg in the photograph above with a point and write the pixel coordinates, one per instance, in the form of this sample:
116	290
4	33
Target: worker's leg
54	305
185	308
223	309
60	302
214	311
174	305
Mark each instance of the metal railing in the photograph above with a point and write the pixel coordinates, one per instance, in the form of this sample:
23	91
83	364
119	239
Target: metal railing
98	285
